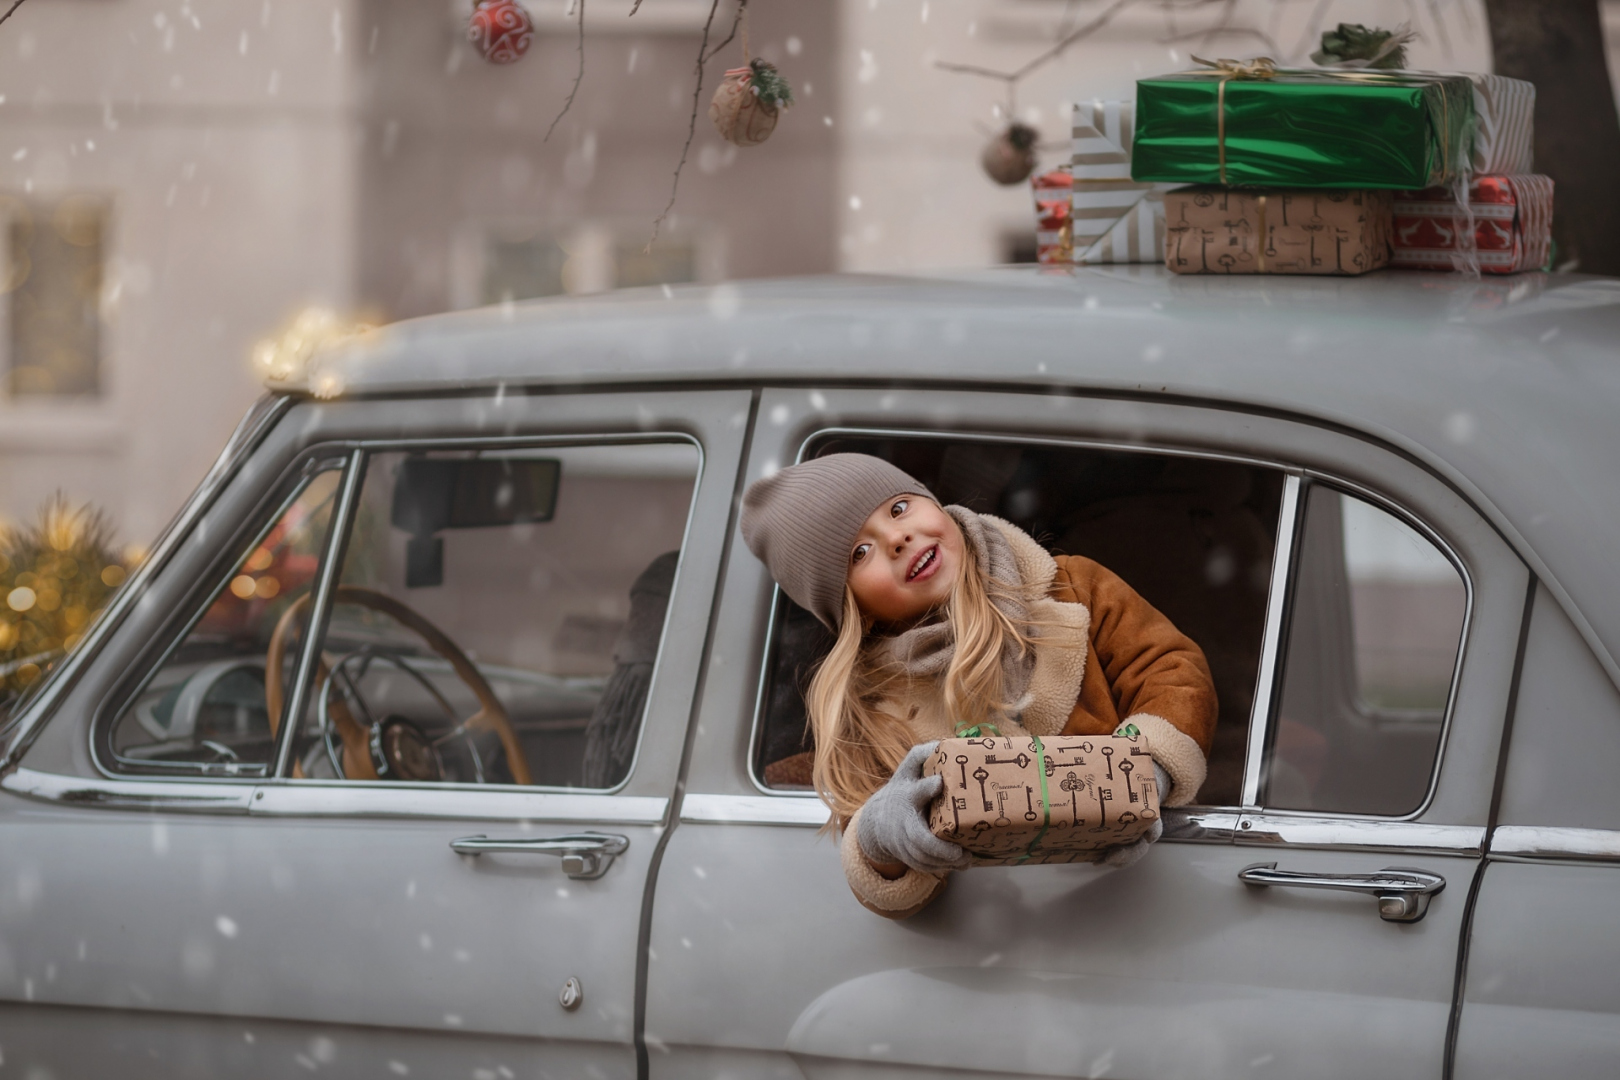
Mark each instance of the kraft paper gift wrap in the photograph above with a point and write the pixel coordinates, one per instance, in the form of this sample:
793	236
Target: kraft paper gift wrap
1115	219
1237	231
1512	220
1011	800
1303	129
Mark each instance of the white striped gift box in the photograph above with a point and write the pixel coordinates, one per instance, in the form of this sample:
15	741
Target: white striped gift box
1504	130
1115	219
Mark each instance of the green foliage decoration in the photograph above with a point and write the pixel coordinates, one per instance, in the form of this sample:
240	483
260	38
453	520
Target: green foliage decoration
55	576
1382	49
769	85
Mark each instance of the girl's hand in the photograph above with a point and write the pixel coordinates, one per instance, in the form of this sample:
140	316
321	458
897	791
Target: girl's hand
1126	854
893	825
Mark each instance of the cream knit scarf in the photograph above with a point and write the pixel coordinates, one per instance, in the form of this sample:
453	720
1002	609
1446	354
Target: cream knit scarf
925	651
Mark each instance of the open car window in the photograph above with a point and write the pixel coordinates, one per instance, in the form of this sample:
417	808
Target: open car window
1194	536
498	615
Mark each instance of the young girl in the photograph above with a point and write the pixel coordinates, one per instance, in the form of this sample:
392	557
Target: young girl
948	619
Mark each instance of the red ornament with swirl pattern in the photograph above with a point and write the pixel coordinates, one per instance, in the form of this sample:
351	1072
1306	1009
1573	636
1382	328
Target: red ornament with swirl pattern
500	30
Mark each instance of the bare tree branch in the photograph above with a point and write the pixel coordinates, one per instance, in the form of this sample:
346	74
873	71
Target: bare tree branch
1313	28
9	11
691	126
579	77
1046	57
1206	36
736	21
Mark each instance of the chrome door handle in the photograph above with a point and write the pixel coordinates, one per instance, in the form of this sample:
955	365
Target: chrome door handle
1403	895
584	855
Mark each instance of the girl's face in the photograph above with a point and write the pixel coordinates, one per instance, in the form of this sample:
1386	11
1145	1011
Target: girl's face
905	560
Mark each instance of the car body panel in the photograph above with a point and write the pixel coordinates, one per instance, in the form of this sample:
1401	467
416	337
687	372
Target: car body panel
327	907
1174	930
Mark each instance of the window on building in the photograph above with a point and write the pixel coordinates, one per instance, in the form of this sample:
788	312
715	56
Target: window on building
55	257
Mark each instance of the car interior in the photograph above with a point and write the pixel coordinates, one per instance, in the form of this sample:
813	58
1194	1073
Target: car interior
496	620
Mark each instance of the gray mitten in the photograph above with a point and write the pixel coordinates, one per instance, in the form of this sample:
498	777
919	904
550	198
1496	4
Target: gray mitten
1126	854
893	826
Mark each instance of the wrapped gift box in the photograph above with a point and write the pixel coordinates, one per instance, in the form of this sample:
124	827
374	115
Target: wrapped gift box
1116	219
1011	800
1237	231
1053	239
1304	129
1504	125
1512	226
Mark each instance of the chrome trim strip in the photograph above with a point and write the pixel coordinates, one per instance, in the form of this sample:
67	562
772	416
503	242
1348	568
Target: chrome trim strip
255	424
1199	825
1282	562
337	542
340	798
1555	842
1358	834
803	810
173	796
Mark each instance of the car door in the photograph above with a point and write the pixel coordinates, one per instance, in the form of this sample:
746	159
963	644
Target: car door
1195	961
197	882
1539	991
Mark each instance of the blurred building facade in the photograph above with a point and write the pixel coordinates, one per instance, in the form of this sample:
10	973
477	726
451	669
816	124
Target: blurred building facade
179	177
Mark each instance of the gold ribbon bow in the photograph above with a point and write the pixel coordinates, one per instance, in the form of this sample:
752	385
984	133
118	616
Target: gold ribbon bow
1261	67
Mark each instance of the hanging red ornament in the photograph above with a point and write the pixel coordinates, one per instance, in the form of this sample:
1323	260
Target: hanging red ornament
500	30
748	103
1009	158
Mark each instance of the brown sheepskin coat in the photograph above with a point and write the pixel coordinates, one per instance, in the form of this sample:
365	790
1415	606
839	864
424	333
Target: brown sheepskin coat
1135	666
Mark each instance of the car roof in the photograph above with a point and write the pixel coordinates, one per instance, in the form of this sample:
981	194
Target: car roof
1509	388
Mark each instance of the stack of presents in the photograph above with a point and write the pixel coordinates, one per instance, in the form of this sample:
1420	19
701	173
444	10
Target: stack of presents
1251	168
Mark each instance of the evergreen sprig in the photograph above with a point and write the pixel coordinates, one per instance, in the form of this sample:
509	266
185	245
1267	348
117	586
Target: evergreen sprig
769	86
1353	41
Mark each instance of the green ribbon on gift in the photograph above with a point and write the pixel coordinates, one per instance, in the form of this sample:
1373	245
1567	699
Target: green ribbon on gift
1252	123
976	731
1046	799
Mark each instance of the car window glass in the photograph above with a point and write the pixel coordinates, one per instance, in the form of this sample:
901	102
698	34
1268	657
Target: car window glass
498	615
205	707
1376	623
1195	537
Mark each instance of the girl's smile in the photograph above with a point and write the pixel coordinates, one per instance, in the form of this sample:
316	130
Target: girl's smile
905	560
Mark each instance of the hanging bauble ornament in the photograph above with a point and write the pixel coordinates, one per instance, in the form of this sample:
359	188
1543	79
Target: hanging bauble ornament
1009	158
748	102
500	30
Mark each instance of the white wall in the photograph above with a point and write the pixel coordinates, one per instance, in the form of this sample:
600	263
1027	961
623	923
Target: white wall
223	133
912	193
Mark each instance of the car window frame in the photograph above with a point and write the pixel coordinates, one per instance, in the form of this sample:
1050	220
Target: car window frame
215	580
1197	821
332	560
1255	763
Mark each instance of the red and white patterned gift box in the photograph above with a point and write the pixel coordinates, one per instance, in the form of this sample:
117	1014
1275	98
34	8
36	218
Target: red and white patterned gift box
1054	241
1512	225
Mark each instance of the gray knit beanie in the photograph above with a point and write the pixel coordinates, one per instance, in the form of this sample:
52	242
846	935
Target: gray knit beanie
802	521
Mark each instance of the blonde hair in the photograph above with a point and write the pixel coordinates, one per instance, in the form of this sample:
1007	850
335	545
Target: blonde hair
858	747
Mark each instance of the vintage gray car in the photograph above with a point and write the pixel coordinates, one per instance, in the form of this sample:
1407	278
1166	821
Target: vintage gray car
451	731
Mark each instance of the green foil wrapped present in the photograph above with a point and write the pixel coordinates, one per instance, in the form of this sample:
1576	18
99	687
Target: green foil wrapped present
1254	124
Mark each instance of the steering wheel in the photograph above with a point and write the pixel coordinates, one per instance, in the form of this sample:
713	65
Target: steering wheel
363	745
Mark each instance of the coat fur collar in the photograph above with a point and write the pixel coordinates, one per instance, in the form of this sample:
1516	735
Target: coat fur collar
1063	637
